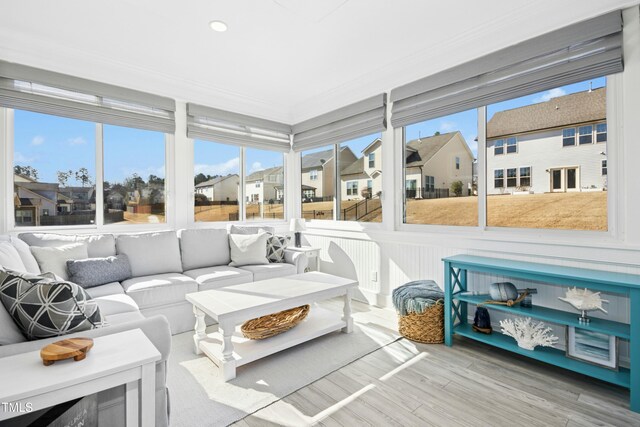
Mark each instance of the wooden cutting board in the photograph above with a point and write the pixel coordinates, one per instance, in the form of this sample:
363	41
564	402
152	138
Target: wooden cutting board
66	349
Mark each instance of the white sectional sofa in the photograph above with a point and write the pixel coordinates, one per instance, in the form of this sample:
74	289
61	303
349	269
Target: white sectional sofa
165	266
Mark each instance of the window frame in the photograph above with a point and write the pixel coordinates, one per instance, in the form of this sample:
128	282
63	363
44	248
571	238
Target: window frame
520	176
598	133
513	179
372	160
351	187
511	142
502	178
500	146
588	135
572	137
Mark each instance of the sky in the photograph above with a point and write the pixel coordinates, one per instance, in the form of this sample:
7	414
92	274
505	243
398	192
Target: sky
51	144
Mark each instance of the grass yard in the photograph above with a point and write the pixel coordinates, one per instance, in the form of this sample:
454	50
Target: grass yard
222	212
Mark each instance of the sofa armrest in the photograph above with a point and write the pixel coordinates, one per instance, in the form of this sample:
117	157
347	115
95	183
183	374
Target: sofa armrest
156	328
299	259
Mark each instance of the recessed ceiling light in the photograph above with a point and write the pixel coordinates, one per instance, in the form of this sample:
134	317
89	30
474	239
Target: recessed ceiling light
218	26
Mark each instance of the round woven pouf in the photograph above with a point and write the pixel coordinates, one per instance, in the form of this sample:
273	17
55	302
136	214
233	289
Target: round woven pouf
274	324
420	307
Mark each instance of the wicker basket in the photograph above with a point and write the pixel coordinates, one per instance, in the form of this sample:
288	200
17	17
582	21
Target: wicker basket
274	324
427	327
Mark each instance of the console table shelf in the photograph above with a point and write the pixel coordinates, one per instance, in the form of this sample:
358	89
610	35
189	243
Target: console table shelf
457	300
621	330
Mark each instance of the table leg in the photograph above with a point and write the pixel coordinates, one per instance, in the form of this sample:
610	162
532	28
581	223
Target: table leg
448	301
634	350
347	313
148	395
228	362
199	329
131	403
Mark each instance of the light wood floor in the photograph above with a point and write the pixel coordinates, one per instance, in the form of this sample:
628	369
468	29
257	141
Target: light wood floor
469	384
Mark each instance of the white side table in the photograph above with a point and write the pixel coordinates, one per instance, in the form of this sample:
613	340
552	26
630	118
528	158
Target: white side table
310	252
123	358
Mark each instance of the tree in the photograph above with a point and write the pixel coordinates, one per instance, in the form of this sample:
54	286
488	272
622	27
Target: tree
201	178
436	133
82	176
156	180
456	188
63	177
133	182
27	171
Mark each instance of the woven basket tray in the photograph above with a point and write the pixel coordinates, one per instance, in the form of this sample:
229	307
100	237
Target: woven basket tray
427	327
274	324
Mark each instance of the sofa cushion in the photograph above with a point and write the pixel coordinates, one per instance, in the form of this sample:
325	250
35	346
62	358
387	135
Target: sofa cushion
27	257
250	229
98	245
269	271
115	304
276	246
92	272
217	277
54	259
114	288
120	318
204	248
248	249
159	289
10	258
9	331
151	253
44	308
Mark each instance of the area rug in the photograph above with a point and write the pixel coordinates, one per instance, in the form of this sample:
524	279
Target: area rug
198	397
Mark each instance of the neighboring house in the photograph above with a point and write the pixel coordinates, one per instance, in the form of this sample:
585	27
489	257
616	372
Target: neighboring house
33	200
434	163
317	171
265	185
81	198
363	174
553	146
220	189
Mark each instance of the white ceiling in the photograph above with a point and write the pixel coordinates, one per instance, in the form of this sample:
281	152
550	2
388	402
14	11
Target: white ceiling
285	60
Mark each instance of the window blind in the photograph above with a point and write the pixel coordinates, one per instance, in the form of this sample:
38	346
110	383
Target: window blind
47	92
360	119
237	129
579	52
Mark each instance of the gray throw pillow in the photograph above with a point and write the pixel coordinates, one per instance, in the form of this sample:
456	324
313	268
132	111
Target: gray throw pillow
44	308
99	271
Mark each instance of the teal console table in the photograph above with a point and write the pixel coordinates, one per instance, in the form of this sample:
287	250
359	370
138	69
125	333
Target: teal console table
456	312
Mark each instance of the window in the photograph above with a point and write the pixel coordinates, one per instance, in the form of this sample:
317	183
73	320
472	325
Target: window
498	147
360	202
603	167
498	178
512	145
525	177
134	176
54	170
555	179
216	181
352	188
601	132
264	182
585	135
318	183
443	196
410	189
568	137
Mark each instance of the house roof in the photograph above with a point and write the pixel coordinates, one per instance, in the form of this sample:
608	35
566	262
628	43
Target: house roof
316	160
214	181
580	107
421	150
354	168
259	175
368	147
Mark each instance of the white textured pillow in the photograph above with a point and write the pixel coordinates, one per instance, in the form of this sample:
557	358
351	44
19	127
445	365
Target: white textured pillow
248	249
55	259
10	258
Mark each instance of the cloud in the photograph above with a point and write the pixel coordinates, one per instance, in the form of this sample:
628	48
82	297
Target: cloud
78	140
21	158
553	93
255	167
446	127
230	166
37	140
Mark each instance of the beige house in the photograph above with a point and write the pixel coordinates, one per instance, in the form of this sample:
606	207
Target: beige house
364	176
33	200
317	172
434	163
220	189
265	185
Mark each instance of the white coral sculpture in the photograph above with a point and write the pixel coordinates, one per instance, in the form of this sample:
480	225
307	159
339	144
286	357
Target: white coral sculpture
584	299
527	333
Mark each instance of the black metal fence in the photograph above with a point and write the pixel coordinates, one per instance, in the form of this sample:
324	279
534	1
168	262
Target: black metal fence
436	193
360	209
235	216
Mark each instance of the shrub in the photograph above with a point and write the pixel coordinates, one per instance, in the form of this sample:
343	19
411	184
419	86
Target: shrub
456	188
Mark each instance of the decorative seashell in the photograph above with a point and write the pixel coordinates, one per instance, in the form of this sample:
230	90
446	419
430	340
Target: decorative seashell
584	299
503	291
527	333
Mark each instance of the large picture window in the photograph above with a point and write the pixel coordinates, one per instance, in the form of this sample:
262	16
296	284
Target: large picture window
264	184
439	157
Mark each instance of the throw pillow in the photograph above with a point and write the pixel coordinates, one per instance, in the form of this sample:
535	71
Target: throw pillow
54	259
276	246
10	258
248	249
99	271
44	308
249	229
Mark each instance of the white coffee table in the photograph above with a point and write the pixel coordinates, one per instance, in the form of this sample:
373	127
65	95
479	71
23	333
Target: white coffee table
233	305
